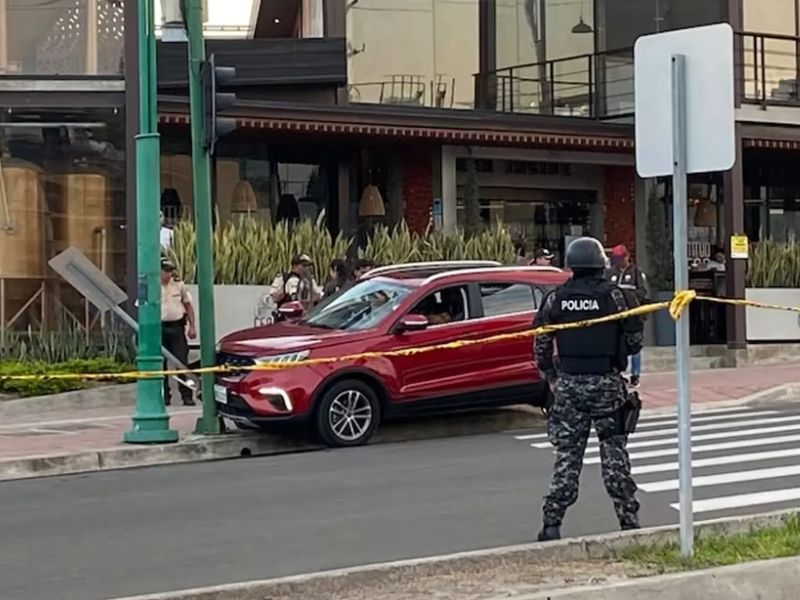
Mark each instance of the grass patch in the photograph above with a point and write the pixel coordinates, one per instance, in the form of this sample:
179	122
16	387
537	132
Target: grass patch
717	551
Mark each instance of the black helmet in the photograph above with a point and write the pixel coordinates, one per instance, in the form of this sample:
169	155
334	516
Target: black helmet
585	253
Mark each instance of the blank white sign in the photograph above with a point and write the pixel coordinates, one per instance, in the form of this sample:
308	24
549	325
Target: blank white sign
710	137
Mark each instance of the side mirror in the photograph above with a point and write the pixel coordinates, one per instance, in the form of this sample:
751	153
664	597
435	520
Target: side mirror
292	310
412	323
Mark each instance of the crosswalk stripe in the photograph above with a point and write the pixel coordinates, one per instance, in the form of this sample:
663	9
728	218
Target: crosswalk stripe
699	419
730	459
785	439
742	500
706	436
710	411
723	478
759	413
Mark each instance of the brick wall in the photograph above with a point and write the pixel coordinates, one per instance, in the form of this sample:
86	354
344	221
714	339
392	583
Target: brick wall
417	188
620	207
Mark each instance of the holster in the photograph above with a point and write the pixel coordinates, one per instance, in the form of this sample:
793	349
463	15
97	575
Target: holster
628	414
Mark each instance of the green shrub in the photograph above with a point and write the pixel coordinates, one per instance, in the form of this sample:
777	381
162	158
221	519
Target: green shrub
45	386
774	265
249	251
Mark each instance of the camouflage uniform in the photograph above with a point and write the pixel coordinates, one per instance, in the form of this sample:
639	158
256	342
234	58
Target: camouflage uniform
580	402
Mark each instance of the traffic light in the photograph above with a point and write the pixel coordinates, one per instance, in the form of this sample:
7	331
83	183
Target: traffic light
214	102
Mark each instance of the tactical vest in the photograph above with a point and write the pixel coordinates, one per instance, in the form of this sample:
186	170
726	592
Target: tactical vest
598	349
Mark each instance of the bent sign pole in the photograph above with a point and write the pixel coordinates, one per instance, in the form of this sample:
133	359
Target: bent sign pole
680	244
684	84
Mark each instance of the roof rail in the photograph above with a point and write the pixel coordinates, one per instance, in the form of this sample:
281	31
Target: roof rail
423	266
497	269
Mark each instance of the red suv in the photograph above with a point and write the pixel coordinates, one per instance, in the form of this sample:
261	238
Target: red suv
390	308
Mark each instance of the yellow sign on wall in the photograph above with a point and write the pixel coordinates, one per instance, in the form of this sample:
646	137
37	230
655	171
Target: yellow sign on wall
739	246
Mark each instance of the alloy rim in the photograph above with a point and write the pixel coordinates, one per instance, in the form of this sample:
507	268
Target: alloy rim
350	415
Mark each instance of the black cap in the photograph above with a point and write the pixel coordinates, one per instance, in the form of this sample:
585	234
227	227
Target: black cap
167	264
543	253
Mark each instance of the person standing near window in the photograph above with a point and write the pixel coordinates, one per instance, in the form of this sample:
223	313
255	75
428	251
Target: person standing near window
177	320
628	276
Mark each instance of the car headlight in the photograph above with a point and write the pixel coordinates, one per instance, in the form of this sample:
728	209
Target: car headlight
291	357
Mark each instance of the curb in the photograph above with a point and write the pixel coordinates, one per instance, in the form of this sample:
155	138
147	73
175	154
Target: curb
107	396
359	579
771	579
238	445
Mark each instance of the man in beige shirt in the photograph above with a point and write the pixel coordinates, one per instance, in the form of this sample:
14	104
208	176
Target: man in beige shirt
176	313
298	285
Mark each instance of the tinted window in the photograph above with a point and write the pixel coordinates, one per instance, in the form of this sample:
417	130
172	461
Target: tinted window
448	305
506	298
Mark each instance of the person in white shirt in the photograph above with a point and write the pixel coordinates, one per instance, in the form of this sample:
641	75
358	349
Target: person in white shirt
166	234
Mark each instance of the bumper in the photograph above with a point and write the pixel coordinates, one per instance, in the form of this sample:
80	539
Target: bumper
236	409
266	397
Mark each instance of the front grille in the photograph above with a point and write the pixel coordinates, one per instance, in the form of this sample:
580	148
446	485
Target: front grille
225	359
234	360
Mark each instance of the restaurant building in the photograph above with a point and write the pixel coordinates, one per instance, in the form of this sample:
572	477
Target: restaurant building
407	95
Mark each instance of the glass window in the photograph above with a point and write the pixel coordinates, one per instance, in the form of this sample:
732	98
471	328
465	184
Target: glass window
417	52
506	298
448	305
63	37
361	307
62	184
770	63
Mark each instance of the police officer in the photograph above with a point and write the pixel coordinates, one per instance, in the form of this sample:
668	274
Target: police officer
586	378
177	320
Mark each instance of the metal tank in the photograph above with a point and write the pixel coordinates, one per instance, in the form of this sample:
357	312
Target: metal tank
22	221
81	215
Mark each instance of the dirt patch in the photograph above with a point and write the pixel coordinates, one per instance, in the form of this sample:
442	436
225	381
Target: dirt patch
502	581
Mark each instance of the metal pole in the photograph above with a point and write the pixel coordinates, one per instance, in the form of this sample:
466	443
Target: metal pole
150	419
3	36
680	227
92	25
209	423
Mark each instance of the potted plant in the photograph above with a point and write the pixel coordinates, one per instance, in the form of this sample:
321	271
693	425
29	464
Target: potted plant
773	277
661	270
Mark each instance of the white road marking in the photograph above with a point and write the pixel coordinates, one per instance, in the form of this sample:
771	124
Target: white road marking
730	459
723	478
716	426
699	419
785	439
710	436
742	500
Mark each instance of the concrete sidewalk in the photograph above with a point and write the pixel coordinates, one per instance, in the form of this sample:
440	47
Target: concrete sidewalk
32	444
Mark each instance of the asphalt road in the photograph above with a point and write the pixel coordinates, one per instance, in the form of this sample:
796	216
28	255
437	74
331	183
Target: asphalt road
112	534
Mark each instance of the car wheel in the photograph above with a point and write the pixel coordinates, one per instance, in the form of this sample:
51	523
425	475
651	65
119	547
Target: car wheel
348	414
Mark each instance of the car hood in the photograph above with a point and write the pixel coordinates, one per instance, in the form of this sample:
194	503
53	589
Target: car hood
286	337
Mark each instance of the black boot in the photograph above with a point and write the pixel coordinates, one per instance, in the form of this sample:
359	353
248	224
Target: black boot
549	533
629	526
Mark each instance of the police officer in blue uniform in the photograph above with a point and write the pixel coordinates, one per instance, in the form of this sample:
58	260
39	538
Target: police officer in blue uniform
589	389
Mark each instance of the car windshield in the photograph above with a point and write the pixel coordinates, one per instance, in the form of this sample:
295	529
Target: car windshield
360	307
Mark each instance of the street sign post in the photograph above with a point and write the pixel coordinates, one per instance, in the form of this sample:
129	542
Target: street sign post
684	124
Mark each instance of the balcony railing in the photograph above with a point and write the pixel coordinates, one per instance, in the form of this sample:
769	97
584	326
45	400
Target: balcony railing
594	86
600	86
769	69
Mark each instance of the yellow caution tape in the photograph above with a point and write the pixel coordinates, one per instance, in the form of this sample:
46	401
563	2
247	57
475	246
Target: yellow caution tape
675	307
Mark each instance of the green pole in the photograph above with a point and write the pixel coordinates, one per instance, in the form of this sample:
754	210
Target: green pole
150	419
209	423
